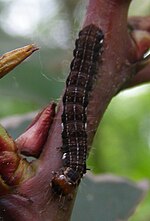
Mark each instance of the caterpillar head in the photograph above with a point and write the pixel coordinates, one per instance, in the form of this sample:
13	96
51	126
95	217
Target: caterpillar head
65	182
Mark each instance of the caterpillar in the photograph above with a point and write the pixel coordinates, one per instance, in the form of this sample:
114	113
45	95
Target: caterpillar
83	73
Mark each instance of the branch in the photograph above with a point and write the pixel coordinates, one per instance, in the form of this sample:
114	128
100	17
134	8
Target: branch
34	199
140	32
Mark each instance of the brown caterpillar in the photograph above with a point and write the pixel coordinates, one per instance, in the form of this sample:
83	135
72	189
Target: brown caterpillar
83	71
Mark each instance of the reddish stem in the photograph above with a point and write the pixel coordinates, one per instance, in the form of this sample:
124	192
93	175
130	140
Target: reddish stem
34	200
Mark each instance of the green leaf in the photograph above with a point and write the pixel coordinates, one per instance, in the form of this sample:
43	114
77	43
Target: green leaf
107	198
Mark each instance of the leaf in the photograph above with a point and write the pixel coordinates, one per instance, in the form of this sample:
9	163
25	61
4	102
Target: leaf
107	198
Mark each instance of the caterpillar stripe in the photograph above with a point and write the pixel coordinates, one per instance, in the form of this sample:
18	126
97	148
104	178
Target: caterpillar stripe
79	84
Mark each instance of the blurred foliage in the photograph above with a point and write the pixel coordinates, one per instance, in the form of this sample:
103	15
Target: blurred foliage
123	136
122	143
137	8
107	198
